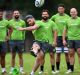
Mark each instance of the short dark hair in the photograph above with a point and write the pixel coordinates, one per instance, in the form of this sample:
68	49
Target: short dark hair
61	5
45	10
28	16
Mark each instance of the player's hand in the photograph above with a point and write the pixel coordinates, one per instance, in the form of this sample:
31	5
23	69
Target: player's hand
64	42
7	38
20	28
54	43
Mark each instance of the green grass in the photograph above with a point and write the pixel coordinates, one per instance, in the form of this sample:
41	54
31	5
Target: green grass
29	61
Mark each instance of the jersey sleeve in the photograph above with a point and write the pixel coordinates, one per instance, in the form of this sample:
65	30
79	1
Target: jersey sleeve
38	23
53	18
66	24
9	24
54	26
24	24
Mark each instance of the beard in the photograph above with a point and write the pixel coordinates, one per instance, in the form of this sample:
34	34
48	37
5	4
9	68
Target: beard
16	17
45	18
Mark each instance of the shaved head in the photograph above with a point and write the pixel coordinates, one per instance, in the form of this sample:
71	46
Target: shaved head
73	12
73	9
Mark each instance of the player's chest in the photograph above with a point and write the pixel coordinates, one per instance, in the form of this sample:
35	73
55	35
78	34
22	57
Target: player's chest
3	24
46	26
60	20
16	24
74	23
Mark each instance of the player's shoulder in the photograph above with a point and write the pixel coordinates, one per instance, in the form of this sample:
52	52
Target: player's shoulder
55	15
51	21
66	15
11	20
21	20
5	20
78	18
38	21
68	19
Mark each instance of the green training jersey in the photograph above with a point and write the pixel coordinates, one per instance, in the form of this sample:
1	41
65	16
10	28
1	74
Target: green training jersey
73	28
3	29
16	34
60	21
45	31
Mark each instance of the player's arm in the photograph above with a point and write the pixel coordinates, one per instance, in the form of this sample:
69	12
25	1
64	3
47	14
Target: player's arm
55	33
10	30
64	36
53	18
55	37
30	28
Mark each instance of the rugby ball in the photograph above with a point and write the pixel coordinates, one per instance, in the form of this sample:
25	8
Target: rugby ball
39	3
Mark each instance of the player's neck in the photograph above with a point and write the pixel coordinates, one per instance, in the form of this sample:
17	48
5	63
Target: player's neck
17	19
61	14
74	17
44	20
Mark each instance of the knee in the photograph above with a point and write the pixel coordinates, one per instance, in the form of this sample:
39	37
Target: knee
13	56
58	55
66	54
38	60
3	55
71	54
51	55
78	51
20	56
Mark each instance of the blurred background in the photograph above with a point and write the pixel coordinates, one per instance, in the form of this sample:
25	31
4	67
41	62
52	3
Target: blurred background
27	7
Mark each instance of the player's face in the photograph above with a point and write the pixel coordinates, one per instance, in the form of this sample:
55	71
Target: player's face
16	14
61	10
45	15
31	21
1	15
73	13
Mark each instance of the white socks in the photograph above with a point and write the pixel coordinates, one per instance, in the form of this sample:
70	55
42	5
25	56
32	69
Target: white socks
12	68
3	69
32	73
21	69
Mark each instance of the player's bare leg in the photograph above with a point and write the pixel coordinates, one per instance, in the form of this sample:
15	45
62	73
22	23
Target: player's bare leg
21	62
38	62
58	57
52	60
67	60
72	60
39	57
13	55
3	62
78	52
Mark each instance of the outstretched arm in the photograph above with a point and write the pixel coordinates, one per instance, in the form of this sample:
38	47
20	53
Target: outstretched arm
30	28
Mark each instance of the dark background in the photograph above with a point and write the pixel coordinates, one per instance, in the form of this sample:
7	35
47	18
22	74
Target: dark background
28	6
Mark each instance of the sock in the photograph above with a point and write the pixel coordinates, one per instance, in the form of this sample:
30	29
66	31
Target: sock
3	69
21	69
72	67
68	65
57	65
52	66
42	68
12	68
32	72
